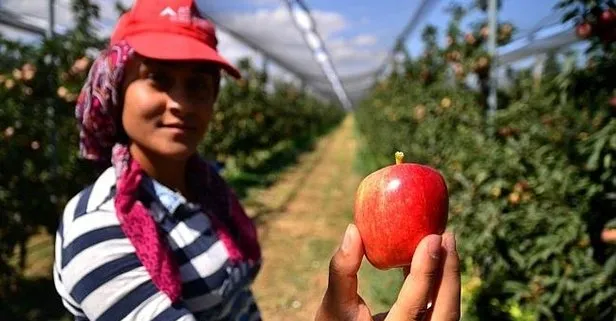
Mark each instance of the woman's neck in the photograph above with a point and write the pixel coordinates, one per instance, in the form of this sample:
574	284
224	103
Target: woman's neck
169	172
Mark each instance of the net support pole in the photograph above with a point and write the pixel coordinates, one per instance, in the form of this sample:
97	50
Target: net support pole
538	68
265	63
304	21
50	108
52	18
492	25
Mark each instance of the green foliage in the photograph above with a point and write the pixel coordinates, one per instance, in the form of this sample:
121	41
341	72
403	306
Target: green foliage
597	29
251	125
37	86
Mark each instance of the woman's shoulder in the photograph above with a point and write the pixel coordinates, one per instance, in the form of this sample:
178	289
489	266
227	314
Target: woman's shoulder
96	197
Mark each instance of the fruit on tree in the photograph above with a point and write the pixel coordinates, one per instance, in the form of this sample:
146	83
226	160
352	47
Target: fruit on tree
521	186
396	207
419	112
456	55
514	198
507	29
505	32
485	32
446	102
482	66
458	69
584	30
470	39
608	18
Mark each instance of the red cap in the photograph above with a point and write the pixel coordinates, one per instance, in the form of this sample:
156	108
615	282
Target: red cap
170	30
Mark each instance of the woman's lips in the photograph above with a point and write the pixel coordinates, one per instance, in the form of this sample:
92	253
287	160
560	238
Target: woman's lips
178	128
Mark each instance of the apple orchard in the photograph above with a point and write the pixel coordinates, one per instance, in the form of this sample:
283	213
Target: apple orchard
533	189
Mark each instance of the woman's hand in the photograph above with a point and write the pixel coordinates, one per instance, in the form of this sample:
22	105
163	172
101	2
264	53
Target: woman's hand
434	276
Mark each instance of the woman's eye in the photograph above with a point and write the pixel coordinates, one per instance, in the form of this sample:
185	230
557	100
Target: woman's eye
193	85
199	86
159	80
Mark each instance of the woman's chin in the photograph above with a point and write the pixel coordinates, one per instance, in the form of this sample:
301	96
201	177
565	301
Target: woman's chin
177	153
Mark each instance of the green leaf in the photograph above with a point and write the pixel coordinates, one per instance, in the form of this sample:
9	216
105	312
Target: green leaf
609	267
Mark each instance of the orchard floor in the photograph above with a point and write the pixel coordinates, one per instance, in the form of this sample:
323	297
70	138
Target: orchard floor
301	220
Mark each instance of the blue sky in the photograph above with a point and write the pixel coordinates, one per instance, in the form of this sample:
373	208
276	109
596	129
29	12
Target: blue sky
386	18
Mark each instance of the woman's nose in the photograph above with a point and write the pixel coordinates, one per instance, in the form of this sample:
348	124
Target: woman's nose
178	100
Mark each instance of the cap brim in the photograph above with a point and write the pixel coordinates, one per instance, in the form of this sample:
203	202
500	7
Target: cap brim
168	46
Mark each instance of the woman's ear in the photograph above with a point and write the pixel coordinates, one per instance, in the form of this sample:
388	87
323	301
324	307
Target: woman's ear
131	73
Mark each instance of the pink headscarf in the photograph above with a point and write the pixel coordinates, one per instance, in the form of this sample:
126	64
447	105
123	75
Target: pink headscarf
98	114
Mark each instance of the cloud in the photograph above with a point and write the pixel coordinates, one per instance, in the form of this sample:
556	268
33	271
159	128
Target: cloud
269	28
364	40
12	33
273	30
234	50
264	2
36	13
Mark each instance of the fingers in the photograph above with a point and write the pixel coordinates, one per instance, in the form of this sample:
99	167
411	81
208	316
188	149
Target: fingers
406	271
447	303
417	289
341	294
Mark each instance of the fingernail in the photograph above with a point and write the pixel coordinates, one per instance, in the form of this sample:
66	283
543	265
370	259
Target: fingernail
346	242
434	248
450	242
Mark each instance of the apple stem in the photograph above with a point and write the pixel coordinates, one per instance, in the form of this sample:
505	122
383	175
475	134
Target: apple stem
399	157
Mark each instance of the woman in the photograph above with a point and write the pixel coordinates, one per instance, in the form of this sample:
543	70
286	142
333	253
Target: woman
159	235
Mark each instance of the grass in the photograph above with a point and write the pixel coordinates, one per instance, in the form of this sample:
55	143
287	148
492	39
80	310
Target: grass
380	288
265	167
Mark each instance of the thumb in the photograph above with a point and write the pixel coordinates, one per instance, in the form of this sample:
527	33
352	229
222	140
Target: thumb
343	268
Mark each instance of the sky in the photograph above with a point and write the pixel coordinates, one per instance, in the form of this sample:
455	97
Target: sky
358	34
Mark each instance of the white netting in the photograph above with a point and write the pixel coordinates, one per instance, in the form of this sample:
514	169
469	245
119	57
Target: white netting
350	44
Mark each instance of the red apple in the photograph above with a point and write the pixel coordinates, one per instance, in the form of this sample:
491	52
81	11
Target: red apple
608	18
396	207
470	39
584	30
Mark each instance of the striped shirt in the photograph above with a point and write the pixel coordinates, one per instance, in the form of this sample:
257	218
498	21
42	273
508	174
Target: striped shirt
99	277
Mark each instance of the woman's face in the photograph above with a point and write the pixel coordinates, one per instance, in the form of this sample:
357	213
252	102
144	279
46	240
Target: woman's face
168	106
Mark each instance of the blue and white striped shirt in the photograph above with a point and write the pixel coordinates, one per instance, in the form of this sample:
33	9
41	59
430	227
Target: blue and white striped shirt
99	277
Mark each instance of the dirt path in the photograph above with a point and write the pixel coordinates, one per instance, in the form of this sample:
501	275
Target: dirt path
302	219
